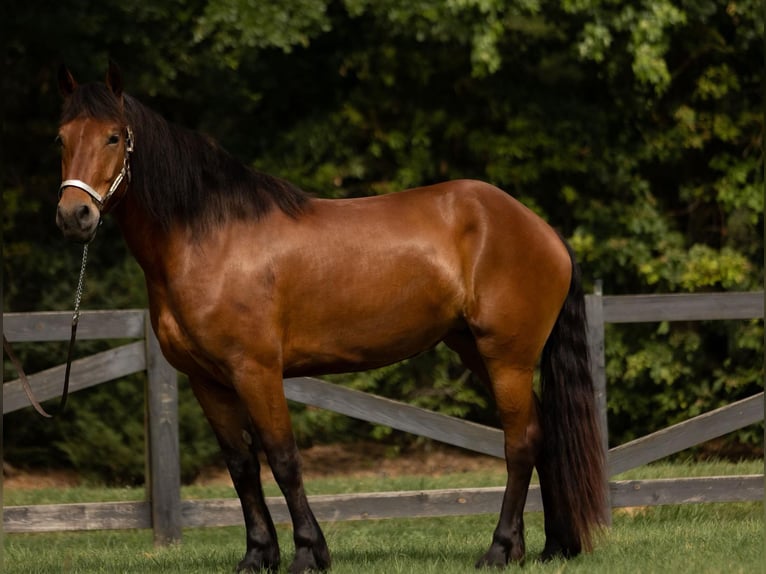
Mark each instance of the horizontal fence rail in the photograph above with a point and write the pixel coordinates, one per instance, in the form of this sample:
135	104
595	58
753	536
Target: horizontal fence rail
372	506
167	513
88	372
56	325
682	307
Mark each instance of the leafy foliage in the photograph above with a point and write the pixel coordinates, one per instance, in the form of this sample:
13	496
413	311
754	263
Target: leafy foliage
635	128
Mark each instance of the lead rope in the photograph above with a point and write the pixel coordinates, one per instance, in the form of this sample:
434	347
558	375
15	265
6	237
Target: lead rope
75	319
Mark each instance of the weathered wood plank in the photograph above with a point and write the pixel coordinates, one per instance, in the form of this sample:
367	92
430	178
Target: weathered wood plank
594	310
683	307
370	506
228	512
397	415
87	372
82	516
662	491
686	434
163	463
56	325
367	506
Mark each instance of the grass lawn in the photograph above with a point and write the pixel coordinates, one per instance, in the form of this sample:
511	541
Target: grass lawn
725	538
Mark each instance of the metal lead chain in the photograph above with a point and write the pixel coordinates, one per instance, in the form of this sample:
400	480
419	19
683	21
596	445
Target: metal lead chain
80	282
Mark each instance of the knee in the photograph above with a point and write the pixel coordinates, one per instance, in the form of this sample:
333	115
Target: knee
286	466
243	465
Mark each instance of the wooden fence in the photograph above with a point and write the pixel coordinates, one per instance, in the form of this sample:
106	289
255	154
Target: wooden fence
163	472
167	514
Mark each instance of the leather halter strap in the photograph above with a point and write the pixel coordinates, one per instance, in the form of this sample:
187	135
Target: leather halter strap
123	175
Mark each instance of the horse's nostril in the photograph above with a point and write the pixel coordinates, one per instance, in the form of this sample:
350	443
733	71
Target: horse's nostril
83	213
61	220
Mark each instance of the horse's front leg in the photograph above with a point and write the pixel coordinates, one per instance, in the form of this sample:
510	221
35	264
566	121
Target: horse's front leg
234	431
262	392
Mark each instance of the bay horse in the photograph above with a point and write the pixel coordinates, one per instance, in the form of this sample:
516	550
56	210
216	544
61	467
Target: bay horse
251	280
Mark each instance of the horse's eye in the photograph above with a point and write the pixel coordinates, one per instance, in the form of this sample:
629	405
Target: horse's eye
114	139
58	141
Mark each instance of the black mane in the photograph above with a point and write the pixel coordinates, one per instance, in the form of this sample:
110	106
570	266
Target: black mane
179	176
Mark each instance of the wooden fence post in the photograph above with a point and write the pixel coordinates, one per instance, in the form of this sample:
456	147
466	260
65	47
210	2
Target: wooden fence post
594	308
163	469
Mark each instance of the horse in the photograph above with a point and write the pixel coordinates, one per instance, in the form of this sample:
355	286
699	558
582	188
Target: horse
250	280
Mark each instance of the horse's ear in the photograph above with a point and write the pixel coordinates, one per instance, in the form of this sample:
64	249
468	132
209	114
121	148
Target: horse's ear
67	83
114	79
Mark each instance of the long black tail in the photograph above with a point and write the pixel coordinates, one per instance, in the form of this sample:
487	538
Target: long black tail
572	469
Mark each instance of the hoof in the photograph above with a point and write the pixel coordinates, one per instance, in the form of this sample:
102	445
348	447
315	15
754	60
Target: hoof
488	561
259	560
498	556
310	560
554	549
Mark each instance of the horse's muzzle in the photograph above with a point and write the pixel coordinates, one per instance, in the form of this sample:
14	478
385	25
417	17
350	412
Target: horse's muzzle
78	221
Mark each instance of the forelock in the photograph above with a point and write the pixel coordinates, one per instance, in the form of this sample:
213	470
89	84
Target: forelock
94	101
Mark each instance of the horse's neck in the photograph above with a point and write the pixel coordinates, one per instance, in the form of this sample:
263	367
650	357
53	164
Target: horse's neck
145	238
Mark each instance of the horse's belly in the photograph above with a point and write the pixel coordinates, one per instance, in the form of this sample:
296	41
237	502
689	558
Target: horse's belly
365	341
349	358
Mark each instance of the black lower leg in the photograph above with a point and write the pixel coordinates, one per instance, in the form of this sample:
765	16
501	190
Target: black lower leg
311	552
262	545
508	539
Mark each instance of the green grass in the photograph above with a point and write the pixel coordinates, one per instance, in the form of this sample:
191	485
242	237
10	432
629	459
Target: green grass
676	539
679	539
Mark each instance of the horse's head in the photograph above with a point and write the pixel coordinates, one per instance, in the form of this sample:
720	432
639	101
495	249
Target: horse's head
96	143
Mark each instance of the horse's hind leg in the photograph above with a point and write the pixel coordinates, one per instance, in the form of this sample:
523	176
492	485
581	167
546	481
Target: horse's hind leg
235	434
512	387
